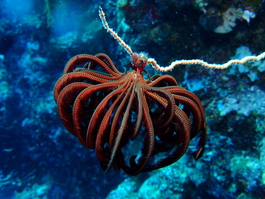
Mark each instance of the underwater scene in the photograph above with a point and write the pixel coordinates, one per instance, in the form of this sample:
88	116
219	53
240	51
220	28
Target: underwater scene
139	99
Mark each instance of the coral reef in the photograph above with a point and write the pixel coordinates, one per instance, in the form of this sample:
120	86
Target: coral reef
39	159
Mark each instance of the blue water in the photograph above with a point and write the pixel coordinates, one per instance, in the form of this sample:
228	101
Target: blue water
39	158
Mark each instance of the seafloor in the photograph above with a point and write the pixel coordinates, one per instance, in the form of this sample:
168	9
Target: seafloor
40	159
